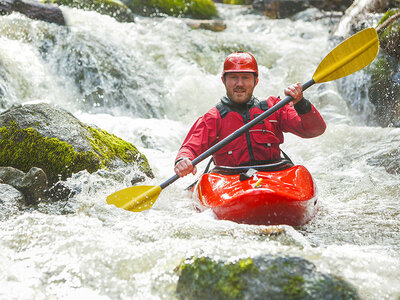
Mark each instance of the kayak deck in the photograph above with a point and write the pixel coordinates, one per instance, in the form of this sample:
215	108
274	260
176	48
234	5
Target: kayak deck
267	198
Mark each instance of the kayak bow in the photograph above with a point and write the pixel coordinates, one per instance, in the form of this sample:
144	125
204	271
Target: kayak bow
266	198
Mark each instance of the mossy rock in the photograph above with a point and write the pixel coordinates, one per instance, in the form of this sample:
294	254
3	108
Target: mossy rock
264	277
117	10
389	35
44	136
197	9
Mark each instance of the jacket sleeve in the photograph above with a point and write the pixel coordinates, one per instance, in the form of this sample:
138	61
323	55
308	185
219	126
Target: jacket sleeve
201	136
303	120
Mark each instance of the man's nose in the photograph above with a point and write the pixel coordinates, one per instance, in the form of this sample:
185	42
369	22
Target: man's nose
239	81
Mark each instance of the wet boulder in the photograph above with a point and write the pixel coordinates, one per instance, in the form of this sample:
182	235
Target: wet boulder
264	277
33	10
50	138
10	201
32	184
111	8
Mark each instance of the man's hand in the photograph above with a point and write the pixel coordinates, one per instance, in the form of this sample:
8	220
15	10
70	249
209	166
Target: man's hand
296	91
184	167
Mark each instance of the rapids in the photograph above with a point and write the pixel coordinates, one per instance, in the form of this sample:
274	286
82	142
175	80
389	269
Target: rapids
147	82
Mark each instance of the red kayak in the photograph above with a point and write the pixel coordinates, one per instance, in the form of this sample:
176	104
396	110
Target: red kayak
263	195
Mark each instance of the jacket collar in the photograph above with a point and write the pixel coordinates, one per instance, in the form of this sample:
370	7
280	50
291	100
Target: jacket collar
225	100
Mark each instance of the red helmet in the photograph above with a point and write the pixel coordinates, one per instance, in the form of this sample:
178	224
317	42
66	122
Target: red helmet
240	62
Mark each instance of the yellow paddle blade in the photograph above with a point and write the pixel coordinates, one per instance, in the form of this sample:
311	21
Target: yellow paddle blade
135	198
349	56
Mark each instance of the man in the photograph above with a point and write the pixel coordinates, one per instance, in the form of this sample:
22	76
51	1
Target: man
258	145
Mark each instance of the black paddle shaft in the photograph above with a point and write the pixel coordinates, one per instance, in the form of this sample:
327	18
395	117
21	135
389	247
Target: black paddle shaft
239	132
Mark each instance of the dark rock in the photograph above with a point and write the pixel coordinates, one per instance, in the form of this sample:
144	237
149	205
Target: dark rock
10	201
33	10
264	277
60	192
137	178
32	184
11	175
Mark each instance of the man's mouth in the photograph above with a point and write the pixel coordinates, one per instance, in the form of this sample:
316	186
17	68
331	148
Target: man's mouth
239	91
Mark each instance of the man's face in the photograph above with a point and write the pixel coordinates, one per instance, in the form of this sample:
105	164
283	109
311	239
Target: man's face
239	86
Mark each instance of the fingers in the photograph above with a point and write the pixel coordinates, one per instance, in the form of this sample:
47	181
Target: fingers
184	167
296	91
194	170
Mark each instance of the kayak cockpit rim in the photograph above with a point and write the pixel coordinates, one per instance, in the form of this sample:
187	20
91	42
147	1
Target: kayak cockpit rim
279	165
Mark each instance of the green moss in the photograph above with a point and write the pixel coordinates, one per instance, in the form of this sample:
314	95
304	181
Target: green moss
294	287
216	279
234	2
109	147
25	148
198	9
388	14
108	7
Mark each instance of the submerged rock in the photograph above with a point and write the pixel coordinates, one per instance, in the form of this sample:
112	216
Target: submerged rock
264	277
45	136
390	160
212	25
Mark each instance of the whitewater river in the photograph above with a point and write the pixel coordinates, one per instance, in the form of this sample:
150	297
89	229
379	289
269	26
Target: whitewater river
147	82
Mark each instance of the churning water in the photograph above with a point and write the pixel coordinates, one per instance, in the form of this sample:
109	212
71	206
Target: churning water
147	82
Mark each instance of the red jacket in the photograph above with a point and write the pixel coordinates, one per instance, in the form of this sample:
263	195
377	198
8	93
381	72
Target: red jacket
260	143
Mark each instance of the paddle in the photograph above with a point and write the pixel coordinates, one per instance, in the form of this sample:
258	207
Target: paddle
348	57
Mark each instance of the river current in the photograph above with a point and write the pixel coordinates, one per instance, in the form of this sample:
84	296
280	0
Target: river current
147	82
